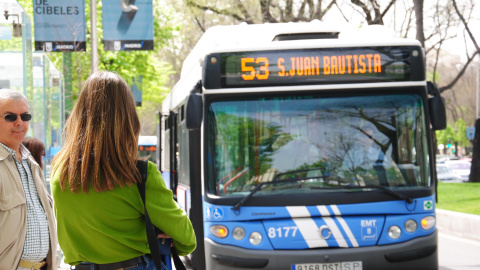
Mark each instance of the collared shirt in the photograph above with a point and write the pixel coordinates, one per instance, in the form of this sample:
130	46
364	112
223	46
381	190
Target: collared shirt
37	240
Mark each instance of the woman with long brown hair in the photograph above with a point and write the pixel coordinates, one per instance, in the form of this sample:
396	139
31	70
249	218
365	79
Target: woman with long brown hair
98	207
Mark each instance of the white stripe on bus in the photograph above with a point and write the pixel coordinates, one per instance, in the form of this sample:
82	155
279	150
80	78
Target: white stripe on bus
344	224
307	227
323	211
337	234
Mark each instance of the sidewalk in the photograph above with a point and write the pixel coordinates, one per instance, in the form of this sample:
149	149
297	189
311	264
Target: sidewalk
458	224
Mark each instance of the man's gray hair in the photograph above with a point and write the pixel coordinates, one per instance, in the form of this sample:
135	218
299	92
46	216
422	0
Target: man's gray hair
9	94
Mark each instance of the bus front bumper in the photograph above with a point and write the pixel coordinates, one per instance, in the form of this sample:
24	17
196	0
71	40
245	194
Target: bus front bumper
419	253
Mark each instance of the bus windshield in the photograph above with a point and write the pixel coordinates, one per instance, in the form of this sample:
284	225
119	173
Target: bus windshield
324	143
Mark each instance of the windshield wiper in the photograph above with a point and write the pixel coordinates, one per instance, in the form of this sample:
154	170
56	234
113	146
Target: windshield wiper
275	180
386	190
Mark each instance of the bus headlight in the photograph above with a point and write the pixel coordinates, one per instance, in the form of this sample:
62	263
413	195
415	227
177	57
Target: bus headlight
238	233
219	231
428	222
255	238
411	225
394	232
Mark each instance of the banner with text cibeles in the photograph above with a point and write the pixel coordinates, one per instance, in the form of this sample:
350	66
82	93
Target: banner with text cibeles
59	25
127	25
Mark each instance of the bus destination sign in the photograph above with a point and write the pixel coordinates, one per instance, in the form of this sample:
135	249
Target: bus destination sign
314	66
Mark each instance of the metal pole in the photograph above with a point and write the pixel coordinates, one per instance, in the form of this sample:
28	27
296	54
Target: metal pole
93	16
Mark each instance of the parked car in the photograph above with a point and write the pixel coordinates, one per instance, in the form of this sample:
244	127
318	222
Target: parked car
445	174
459	167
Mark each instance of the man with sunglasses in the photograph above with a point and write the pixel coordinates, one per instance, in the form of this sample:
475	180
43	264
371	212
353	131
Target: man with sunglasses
28	239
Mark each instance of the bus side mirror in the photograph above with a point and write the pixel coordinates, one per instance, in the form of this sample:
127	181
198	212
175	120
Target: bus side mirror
436	105
194	111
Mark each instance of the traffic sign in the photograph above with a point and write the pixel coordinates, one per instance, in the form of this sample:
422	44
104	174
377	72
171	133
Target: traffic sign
470	133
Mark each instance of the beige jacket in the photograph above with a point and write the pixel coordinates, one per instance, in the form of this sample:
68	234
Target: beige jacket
13	212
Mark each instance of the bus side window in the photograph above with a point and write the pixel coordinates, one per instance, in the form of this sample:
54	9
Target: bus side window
166	147
183	156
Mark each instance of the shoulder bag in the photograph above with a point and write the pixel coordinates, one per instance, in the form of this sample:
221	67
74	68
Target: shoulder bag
159	248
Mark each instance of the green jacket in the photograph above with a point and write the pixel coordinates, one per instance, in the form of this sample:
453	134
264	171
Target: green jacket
109	226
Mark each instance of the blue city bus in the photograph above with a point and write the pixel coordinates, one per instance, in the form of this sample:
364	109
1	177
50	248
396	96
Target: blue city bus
295	146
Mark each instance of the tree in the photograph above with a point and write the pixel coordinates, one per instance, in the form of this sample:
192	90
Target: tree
454	134
466	9
372	7
448	21
418	7
129	64
266	11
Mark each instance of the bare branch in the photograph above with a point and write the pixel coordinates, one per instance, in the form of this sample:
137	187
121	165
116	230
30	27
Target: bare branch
460	74
319	13
436	59
241	7
388	7
362	5
265	8
200	24
311	8
301	12
219	11
407	21
376	11
438	42
339	9
466	26
289	10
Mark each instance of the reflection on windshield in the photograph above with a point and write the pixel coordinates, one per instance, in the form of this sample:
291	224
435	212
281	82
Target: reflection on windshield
330	142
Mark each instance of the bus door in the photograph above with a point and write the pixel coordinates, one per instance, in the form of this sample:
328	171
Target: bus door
182	170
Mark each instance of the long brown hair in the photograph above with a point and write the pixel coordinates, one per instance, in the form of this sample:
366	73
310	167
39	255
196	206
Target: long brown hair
36	148
101	137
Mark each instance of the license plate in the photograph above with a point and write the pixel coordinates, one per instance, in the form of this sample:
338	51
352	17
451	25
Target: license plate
355	265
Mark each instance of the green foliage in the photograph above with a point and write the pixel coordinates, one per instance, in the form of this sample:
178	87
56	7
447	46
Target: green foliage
454	134
461	197
461	134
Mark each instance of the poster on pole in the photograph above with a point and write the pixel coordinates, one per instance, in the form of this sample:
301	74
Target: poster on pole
127	25
59	25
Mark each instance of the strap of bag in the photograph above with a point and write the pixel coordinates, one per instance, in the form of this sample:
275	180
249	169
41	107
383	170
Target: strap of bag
142	167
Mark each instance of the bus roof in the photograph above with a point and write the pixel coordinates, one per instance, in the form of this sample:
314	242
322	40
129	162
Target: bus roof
256	37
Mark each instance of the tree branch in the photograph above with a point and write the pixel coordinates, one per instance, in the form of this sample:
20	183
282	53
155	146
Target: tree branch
218	11
319	13
200	24
388	7
265	8
244	11
301	12
289	10
466	26
365	9
460	74
339	9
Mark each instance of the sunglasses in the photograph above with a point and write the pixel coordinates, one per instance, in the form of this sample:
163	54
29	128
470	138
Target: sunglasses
13	117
